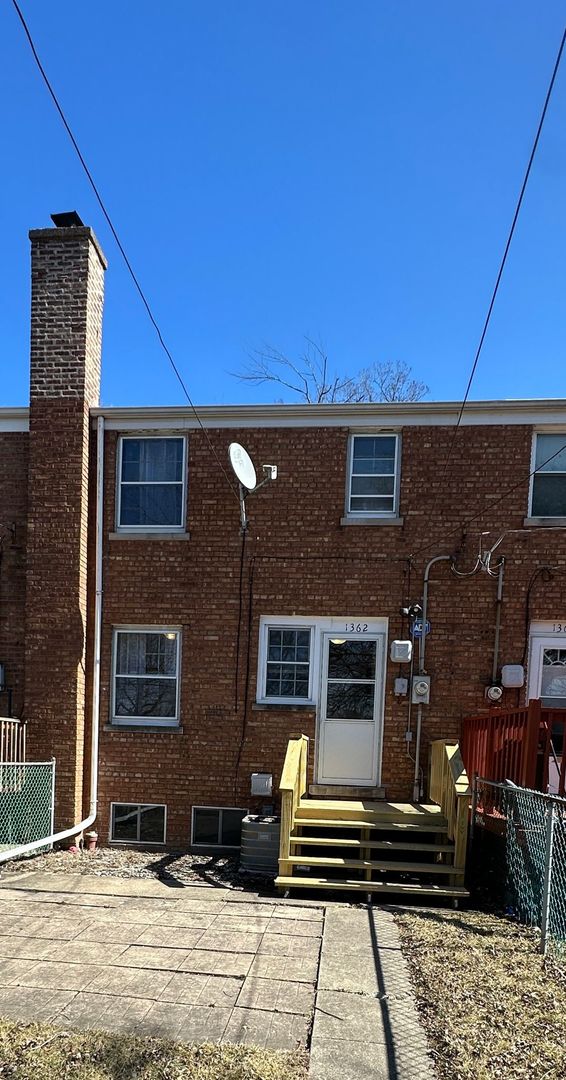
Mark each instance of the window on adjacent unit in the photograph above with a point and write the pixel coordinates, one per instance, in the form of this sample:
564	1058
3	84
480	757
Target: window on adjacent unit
151	487
145	684
132	823
373	472
217	826
548	494
285	663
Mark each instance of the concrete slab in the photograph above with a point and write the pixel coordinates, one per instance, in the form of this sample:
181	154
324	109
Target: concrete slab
234	941
12	971
174	937
277	996
130	982
28	948
287	945
91	1011
336	1059
32	1006
101	930
142	956
186	1023
273	1031
286	968
209	962
59	976
189	988
296	927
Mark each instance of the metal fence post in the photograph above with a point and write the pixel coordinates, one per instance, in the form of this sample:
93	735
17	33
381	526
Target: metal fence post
547	883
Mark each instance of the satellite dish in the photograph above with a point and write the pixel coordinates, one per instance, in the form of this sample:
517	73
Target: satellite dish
242	465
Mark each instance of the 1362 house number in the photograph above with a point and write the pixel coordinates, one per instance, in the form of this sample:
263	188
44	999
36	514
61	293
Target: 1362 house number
356	628
559	628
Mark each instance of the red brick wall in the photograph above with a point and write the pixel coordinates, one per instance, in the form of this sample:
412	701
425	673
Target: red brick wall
13	521
66	328
306	563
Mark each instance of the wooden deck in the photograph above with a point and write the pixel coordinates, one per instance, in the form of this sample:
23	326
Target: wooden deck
374	846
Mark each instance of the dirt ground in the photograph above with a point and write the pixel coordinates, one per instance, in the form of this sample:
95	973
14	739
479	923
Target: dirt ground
491	1007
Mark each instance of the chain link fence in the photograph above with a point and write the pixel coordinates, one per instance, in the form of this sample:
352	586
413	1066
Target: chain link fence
518	857
26	802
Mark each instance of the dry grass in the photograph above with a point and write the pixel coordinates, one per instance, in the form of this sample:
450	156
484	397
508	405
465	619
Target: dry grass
41	1052
490	1008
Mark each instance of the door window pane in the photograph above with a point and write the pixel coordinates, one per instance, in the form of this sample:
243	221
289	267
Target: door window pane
351	660
350	701
553	677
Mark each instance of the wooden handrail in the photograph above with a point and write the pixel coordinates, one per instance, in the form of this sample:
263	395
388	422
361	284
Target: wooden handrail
450	788
293	786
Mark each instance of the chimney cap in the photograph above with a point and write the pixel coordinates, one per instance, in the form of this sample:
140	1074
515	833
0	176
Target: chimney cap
69	220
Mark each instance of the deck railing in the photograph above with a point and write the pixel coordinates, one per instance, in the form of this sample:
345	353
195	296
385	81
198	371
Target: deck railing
449	787
292	787
525	745
12	740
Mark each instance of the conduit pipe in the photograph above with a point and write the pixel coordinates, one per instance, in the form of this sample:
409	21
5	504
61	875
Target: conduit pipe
24	849
422	671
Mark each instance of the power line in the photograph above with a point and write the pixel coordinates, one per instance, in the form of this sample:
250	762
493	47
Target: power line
119	244
494	502
507	246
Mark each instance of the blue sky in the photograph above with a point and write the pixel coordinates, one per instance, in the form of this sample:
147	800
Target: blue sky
341	169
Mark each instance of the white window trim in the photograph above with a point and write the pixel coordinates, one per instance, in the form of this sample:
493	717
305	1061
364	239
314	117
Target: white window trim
152	528
225	847
283	624
147	806
536	433
319	626
145	721
376	514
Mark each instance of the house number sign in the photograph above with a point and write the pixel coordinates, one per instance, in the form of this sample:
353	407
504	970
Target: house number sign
356	628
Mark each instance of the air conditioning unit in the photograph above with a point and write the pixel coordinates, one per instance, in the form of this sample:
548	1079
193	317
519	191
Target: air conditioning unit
260	844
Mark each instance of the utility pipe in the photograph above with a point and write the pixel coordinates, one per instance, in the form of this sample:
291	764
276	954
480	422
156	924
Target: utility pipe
14	853
498	603
422	671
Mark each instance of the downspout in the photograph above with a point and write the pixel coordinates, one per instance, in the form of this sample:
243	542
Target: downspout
14	853
422	671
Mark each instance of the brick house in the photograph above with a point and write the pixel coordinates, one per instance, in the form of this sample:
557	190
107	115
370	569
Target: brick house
215	648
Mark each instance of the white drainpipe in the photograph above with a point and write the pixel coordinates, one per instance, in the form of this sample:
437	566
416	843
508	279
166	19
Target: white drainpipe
14	853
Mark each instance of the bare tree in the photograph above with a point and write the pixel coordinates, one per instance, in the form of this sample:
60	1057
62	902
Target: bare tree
310	377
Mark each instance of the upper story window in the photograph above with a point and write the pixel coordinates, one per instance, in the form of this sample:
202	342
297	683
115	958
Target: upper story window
548	492
373	475
285	663
151	483
146	677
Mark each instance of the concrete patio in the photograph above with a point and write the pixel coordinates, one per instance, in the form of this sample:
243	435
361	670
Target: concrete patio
200	964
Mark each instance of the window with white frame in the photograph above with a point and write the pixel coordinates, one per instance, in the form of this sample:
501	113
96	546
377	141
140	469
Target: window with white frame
151	483
548	492
132	823
285	663
146	677
217	826
373	475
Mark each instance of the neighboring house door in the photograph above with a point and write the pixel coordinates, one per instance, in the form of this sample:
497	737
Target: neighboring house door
547	681
350	709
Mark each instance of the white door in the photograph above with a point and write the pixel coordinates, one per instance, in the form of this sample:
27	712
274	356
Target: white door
547	670
350	710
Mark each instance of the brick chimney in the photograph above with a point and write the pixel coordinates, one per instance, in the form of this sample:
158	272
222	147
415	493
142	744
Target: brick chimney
67	290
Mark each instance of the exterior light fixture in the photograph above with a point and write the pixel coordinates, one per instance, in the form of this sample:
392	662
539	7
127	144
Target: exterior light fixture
337	641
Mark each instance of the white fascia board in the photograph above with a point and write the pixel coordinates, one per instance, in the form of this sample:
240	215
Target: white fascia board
14	419
362	416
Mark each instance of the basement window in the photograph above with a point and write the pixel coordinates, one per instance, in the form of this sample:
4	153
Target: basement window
217	826
373	476
132	823
151	484
145	687
548	492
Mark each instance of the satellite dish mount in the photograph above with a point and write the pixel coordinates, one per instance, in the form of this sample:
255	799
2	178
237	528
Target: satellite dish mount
243	468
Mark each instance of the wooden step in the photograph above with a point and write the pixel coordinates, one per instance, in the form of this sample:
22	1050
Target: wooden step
401	888
332	791
373	845
341	810
378	864
385	825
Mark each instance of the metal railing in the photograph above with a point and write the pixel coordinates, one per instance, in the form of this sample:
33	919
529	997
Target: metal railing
522	834
12	739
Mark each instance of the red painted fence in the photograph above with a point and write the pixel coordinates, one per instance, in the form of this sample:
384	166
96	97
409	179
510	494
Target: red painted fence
524	745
